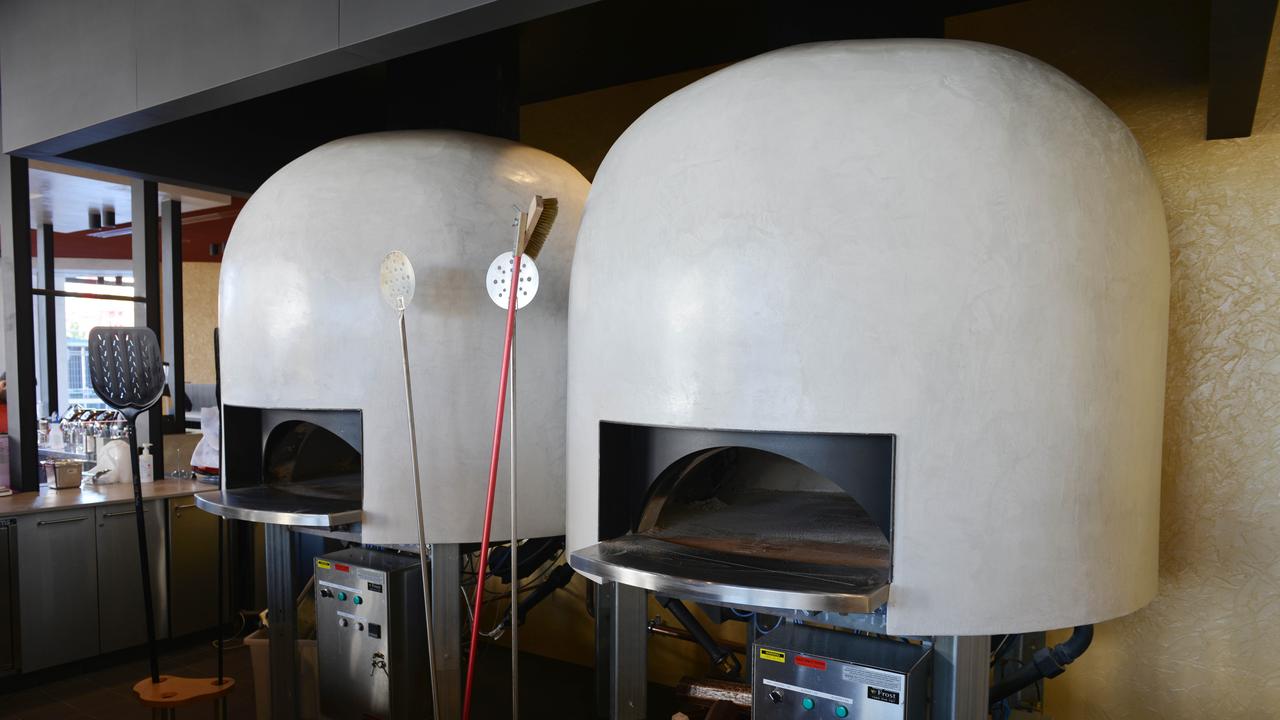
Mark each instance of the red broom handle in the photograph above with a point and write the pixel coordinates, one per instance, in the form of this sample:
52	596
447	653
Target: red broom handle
493	484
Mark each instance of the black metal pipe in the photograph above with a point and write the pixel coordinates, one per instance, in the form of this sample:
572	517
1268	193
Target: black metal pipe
558	578
89	296
719	656
1046	663
222	624
144	560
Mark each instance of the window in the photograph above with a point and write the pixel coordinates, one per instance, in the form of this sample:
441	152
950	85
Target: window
70	327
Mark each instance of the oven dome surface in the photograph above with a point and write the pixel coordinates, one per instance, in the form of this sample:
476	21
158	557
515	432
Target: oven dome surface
304	326
950	242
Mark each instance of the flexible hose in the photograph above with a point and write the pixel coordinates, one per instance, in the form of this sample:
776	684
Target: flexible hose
1046	663
720	657
493	484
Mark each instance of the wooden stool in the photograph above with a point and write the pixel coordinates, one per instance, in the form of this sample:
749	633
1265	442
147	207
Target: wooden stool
172	692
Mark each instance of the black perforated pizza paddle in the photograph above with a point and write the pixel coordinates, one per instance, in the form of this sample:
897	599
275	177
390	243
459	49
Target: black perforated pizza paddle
127	372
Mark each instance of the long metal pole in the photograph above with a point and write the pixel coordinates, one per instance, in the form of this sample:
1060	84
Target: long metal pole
422	536
515	544
144	555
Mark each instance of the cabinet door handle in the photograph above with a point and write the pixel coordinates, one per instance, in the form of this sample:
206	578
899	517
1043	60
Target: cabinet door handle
177	509
122	513
40	523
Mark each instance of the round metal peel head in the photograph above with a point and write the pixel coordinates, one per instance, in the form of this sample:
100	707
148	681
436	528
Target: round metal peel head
498	280
397	279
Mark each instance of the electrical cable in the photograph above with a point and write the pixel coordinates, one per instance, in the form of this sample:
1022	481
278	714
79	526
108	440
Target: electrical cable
995	654
762	631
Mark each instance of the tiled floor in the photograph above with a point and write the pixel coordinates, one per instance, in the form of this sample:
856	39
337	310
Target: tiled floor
551	689
107	693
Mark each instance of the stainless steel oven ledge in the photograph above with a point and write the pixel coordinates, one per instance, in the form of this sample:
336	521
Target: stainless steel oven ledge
337	504
732	579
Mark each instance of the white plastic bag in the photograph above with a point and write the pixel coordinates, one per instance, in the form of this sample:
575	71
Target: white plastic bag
114	464
208	451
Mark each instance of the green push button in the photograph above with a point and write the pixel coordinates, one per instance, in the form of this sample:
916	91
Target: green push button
342	595
357	599
842	711
807	703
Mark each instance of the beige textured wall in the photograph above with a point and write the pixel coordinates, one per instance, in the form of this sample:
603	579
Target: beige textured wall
199	318
1209	645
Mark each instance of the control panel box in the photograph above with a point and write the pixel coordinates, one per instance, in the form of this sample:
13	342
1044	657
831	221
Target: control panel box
371	640
808	672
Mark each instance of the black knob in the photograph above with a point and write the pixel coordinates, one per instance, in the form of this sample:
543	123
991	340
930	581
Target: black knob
776	696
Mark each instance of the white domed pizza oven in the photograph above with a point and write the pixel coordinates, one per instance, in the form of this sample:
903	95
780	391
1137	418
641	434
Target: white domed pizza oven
874	324
314	406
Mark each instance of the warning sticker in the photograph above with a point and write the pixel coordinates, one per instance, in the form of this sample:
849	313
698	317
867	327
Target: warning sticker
324	564
809	662
773	655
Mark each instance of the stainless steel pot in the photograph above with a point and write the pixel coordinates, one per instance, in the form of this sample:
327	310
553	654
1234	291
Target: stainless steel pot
62	474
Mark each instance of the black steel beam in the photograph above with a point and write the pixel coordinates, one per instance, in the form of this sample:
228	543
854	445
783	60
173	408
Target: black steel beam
1239	37
146	277
478	82
47	257
88	296
20	344
171	232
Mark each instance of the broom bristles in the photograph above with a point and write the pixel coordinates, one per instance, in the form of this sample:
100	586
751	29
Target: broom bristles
538	237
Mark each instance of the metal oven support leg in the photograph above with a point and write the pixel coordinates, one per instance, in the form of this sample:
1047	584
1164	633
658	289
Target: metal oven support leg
604	658
446	613
628	662
283	637
960	677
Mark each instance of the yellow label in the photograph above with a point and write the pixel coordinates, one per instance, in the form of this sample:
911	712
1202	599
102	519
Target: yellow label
324	564
773	655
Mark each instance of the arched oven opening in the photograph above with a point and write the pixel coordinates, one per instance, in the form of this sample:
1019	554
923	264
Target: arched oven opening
290	467
757	504
744	518
298	451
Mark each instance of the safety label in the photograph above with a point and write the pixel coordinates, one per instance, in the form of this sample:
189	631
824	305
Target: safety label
773	655
871	676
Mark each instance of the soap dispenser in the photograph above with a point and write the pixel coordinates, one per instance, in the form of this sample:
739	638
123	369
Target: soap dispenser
146	464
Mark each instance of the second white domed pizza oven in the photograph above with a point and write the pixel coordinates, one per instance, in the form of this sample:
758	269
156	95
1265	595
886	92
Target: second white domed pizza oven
873	324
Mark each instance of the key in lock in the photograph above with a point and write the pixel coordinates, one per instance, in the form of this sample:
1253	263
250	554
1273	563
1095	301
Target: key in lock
379	662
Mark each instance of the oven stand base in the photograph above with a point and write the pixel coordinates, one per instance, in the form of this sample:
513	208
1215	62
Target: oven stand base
446	609
960	663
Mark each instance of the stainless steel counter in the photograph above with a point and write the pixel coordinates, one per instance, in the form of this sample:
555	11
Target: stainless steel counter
46	499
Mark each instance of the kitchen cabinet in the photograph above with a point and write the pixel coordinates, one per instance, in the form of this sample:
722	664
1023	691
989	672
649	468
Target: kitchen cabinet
120	603
193	567
8	596
57	587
